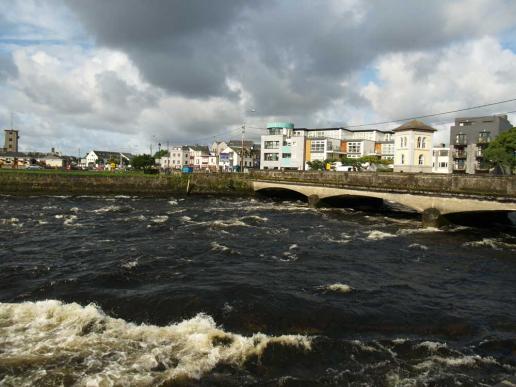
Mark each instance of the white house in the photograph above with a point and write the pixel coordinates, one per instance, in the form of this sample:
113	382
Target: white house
440	159
413	147
96	159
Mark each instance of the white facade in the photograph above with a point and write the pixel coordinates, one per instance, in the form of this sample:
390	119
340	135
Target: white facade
413	147
441	160
283	147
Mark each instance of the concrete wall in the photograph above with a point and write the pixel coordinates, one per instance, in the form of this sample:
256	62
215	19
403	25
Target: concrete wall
19	183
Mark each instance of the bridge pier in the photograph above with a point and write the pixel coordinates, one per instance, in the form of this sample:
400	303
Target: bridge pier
314	201
431	217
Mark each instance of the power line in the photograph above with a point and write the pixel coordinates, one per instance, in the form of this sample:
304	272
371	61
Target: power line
431	115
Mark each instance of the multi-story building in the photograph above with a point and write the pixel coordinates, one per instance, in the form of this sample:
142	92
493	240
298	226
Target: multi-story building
230	158
177	157
11	138
468	139
217	147
283	147
440	159
413	147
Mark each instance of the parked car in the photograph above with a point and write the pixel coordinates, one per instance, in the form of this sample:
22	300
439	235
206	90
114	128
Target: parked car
34	167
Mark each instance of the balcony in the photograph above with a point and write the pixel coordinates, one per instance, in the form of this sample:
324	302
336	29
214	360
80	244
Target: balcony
460	141
459	167
460	154
479	153
483	140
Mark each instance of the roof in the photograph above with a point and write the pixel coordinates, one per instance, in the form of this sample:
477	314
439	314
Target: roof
202	148
415	125
106	155
248	143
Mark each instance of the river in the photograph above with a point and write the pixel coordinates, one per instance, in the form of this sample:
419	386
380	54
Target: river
224	291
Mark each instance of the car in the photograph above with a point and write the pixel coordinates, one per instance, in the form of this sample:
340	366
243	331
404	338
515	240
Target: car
34	167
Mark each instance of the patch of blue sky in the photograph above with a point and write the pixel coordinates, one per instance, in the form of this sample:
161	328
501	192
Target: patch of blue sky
508	39
369	74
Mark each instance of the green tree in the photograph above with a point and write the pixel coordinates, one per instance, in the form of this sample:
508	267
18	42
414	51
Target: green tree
316	165
160	154
142	161
501	151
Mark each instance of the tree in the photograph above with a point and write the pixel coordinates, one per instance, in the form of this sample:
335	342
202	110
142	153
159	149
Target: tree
316	165
142	161
160	154
501	151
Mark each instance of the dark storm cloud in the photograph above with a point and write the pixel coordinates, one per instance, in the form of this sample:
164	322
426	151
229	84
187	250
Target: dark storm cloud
291	56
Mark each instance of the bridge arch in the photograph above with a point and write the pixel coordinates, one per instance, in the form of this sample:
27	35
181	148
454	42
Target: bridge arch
282	193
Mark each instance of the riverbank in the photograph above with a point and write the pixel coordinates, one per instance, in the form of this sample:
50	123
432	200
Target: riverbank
24	183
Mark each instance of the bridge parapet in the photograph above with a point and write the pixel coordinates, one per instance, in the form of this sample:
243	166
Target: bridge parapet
479	185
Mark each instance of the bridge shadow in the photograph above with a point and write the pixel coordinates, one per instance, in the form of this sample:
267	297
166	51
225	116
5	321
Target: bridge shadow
281	194
484	219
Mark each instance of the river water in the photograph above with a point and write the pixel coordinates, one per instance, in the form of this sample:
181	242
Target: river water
218	291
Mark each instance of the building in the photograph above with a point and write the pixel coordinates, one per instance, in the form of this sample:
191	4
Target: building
177	157
413	147
100	159
468	139
440	159
11	138
217	147
199	156
283	147
230	158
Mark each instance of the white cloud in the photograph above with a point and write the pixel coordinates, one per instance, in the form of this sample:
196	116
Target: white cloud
459	76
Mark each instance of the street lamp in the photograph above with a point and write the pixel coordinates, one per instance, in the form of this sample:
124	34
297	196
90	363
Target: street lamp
242	149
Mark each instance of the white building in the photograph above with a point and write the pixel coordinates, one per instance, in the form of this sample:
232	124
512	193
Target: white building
96	159
440	159
413	147
283	147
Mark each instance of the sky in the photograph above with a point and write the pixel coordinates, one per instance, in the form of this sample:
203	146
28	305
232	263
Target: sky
125	75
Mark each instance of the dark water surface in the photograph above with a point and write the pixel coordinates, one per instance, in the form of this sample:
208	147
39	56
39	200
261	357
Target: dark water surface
210	291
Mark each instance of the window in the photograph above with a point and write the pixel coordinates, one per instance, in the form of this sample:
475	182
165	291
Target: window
274	131
443	164
286	155
465	123
423	143
317	147
403	159
270	156
419	142
461	139
443	153
354	147
421	160
271	144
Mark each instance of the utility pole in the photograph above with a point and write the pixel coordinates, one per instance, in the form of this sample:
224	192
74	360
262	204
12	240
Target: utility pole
242	149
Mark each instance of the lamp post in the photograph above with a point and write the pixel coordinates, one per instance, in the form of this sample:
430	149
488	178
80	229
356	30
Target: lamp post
242	149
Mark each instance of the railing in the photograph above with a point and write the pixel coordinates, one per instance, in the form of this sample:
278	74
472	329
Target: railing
483	140
461	141
459	167
460	154
479	153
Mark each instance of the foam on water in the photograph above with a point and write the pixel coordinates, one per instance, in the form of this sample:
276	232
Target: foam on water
103	210
215	246
376	235
159	219
95	349
494	243
337	288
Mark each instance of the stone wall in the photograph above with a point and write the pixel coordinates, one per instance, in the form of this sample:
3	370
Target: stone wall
504	186
13	183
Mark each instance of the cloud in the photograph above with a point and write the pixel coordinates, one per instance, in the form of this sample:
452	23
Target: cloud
133	71
462	75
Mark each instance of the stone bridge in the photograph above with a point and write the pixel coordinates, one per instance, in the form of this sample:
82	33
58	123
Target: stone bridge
431	195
